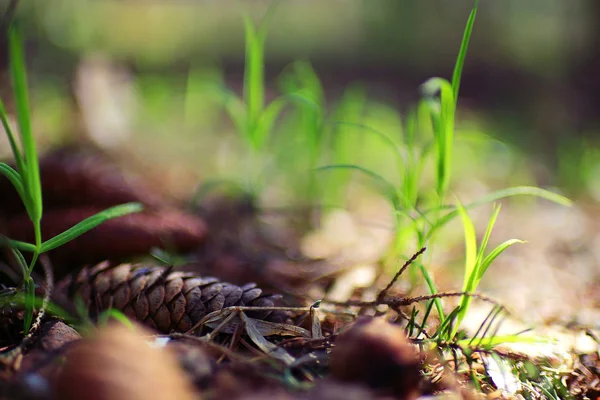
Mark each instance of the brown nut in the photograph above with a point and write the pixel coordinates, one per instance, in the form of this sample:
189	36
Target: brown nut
117	364
377	353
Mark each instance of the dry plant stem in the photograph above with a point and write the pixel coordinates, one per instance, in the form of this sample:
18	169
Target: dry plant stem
385	291
406	301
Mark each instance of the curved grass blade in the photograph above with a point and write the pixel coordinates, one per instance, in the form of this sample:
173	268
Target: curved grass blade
115	314
388	190
253	74
385	138
462	53
495	253
444	129
29	304
266	120
15	179
11	138
21	261
492	341
497	195
89	223
470	273
16	244
31	177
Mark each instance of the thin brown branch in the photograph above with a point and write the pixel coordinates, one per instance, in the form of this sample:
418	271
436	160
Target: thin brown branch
385	291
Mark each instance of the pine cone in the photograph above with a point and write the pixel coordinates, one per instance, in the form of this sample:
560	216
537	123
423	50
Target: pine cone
159	297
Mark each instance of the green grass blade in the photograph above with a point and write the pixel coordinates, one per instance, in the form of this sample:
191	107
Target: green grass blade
470	246
11	138
116	315
470	274
90	223
433	290
21	261
237	111
19	81
492	341
487	234
303	80
443	129
267	119
445	325
254	91
29	304
15	179
495	196
16	244
384	138
385	187
462	53
487	261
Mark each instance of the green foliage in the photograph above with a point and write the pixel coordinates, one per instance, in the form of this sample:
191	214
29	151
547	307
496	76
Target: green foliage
427	139
26	180
476	262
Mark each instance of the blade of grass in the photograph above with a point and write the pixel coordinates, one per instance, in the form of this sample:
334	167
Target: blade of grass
253	76
462	53
495	196
29	303
11	138
14	178
470	265
492	341
19	81
385	187
487	234
20	260
487	261
267	119
116	315
443	129
89	223
16	244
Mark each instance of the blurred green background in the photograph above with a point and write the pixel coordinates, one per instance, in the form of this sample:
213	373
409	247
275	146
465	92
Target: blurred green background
122	73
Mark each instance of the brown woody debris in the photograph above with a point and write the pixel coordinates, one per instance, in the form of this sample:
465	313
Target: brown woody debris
117	364
379	354
163	299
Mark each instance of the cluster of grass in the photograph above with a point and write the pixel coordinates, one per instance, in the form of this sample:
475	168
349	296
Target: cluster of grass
26	181
422	149
425	143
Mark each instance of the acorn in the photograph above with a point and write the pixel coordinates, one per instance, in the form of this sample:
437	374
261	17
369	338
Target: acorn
117	364
379	354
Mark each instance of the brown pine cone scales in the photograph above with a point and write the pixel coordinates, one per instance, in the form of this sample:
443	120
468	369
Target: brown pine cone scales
159	297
